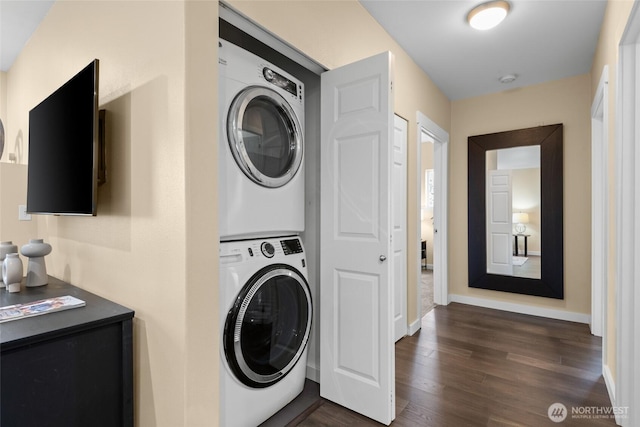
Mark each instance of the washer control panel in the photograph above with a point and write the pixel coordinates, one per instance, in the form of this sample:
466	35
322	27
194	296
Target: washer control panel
291	246
273	247
265	251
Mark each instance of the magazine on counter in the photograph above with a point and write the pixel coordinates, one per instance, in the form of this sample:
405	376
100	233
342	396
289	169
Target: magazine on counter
36	308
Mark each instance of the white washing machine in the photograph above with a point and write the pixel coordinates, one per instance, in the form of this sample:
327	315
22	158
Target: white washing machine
265	318
261	147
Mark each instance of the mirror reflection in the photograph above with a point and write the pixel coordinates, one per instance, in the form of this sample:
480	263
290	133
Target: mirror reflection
513	212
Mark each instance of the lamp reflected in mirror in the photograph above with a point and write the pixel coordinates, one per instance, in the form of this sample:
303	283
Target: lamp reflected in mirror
520	219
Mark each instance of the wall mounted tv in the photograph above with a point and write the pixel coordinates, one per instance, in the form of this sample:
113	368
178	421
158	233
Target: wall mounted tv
66	148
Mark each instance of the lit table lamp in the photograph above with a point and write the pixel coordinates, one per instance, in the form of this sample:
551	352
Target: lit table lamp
520	219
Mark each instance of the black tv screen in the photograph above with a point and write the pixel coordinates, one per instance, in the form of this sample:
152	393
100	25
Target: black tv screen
63	148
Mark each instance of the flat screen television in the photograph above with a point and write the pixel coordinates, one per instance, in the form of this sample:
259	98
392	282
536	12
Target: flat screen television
64	148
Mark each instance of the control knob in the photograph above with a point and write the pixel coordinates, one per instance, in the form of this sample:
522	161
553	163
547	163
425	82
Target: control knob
267	249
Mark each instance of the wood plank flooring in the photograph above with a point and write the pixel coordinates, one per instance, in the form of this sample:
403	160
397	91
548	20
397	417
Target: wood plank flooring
471	366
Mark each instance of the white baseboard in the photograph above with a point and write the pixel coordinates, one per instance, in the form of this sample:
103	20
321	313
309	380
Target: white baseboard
610	383
522	308
611	388
414	327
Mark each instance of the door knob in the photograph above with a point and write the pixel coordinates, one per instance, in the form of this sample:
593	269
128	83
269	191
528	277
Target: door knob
383	258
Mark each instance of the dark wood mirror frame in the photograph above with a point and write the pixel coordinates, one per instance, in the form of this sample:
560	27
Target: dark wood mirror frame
550	139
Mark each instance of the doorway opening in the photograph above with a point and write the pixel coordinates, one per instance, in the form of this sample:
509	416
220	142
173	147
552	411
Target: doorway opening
432	137
427	204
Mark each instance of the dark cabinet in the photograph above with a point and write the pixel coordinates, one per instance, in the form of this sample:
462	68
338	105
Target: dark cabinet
69	368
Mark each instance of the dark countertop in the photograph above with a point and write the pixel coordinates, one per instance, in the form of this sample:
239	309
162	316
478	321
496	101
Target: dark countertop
98	311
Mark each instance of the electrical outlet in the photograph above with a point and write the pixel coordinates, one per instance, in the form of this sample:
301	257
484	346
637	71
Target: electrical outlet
22	213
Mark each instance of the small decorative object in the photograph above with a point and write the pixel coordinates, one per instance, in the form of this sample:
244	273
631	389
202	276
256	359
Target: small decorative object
6	248
12	272
36	250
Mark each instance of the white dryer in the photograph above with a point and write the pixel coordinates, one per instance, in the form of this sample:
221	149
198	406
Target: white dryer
261	147
265	319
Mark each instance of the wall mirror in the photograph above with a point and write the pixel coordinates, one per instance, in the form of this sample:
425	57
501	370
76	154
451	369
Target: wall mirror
500	218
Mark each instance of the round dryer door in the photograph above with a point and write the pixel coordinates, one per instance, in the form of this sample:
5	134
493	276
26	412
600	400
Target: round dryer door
264	136
268	327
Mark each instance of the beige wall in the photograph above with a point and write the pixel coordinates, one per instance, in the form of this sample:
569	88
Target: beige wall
138	251
613	25
564	101
13	192
355	35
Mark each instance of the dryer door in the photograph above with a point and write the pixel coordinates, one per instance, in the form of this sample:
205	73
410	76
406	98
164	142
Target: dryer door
264	136
268	327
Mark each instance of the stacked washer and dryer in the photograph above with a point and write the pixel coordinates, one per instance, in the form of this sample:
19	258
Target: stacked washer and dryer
265	301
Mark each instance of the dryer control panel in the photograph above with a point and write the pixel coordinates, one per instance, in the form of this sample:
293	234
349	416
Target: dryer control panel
281	81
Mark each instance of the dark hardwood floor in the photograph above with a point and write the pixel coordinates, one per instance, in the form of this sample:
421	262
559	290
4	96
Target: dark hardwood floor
471	366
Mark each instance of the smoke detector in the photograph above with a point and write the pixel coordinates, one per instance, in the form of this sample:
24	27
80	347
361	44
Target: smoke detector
508	78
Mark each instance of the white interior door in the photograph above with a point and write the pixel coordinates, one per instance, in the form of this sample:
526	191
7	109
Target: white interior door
499	252
357	358
399	220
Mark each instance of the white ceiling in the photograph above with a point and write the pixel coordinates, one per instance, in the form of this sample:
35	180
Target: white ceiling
539	41
18	20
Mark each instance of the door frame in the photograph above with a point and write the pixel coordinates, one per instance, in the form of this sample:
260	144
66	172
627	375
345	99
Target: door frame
627	385
600	208
440	213
401	285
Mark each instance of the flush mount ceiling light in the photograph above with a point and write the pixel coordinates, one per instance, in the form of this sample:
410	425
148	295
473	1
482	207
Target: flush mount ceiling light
488	15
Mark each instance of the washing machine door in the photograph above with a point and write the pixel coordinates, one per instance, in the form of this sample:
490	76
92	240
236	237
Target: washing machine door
267	329
265	136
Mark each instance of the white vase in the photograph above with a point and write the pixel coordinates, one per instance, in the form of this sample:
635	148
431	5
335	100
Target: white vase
36	250
12	272
6	248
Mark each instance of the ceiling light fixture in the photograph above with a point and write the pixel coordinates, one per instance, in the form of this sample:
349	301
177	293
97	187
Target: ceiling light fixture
488	15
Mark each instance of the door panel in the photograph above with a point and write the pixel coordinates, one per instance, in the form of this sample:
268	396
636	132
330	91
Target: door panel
356	195
354	289
357	359
499	215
